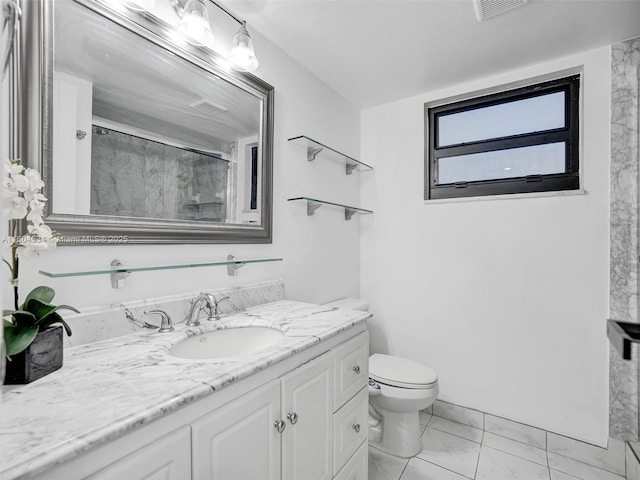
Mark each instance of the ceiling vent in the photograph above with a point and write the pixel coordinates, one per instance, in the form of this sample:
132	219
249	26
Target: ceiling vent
490	8
208	108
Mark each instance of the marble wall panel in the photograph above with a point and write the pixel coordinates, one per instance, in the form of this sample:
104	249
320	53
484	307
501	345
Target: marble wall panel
623	375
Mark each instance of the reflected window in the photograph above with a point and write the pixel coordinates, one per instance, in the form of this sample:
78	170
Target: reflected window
518	141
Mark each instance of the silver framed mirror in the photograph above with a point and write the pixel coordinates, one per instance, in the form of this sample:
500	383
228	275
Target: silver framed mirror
139	135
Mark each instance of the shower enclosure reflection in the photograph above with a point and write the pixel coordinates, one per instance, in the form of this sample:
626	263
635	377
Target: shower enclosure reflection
137	177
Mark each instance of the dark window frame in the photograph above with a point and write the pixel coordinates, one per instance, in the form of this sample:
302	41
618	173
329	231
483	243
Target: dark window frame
570	134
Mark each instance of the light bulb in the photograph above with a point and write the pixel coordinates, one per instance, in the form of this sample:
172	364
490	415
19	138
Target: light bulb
195	24
242	56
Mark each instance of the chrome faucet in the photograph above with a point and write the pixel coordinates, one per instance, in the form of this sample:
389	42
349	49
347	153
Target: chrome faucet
216	311
165	324
196	306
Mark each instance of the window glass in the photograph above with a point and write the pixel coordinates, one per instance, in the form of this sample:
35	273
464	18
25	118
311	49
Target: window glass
536	114
509	163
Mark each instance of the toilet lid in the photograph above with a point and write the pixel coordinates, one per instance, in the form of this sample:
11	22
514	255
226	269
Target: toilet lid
400	372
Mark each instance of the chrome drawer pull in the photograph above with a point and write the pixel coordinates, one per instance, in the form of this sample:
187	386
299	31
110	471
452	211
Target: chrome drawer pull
357	369
280	425
356	427
293	418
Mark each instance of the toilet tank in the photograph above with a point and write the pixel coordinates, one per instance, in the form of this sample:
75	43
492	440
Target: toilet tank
350	303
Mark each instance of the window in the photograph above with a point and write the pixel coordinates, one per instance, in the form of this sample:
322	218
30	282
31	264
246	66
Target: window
253	196
519	141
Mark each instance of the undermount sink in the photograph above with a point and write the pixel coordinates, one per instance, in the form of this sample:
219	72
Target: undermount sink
226	342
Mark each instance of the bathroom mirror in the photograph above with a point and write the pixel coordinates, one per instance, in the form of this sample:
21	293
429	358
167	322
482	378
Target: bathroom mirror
143	137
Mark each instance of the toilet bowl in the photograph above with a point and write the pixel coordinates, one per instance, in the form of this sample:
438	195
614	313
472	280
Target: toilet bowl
398	389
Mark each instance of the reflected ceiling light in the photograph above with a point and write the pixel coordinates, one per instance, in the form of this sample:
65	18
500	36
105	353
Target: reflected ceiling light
242	57
196	28
195	23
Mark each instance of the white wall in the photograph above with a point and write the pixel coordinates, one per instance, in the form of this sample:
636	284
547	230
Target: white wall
321	253
505	299
72	111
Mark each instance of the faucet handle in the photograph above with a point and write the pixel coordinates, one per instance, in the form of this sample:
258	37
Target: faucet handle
165	325
216	313
222	299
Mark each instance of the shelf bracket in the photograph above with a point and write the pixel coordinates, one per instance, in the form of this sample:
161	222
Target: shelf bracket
348	213
232	268
117	277
351	167
312	153
312	207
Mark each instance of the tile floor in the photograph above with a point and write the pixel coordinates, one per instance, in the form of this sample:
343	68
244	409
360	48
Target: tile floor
457	451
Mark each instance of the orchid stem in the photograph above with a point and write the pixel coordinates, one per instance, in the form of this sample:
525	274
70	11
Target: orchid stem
14	262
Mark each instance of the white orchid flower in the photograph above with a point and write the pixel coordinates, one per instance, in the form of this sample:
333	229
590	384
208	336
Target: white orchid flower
14	207
35	245
42	231
13	168
35	218
21	182
30	196
35	181
36	206
9	192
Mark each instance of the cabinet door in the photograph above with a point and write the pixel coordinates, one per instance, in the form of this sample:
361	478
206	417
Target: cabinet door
239	440
168	458
307	399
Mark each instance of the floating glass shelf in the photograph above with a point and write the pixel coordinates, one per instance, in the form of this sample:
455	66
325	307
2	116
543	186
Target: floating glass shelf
314	148
232	262
313	204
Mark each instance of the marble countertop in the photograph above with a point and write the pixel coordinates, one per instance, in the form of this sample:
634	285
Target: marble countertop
109	388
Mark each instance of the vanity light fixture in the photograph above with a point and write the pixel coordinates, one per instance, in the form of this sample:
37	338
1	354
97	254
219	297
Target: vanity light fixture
196	28
195	24
242	57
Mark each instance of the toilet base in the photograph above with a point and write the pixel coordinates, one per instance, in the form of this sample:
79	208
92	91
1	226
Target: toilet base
397	434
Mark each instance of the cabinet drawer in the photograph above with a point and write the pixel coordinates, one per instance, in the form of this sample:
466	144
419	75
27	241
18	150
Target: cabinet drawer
350	428
357	468
351	368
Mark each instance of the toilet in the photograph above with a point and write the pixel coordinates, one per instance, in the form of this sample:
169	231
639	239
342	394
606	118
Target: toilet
398	389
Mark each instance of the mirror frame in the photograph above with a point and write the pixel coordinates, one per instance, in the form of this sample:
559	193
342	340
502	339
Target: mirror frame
35	133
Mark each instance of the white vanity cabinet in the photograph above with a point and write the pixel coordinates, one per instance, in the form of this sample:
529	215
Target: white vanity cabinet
310	424
302	419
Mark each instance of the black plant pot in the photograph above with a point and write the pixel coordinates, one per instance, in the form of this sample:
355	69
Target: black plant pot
42	357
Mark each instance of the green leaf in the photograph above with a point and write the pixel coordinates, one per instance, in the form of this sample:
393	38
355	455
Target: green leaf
67	307
41	293
24	319
38	308
17	338
52	319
